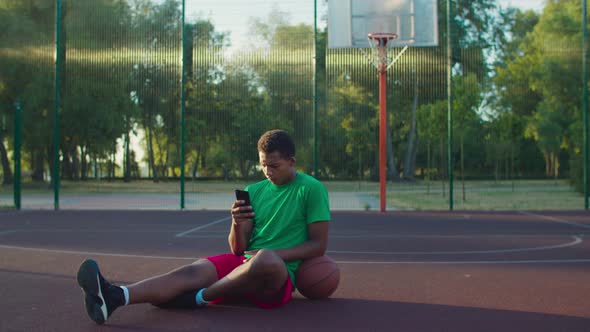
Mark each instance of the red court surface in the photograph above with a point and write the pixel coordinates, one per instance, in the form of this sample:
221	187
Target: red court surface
400	271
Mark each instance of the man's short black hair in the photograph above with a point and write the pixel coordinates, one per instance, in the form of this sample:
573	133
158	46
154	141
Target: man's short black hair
277	140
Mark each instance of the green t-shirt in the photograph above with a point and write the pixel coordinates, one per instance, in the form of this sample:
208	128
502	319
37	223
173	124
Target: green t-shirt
283	213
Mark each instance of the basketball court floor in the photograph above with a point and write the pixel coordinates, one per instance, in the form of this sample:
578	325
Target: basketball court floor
400	271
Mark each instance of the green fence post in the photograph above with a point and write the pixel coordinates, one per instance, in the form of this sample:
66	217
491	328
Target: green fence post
585	98
17	155
58	64
182	106
450	102
315	88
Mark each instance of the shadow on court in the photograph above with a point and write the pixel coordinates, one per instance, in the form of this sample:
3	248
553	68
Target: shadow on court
350	315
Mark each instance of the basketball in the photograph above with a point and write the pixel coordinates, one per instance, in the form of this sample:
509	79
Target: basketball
318	277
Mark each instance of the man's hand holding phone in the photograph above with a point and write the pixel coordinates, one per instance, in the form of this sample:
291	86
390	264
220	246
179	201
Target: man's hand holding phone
242	209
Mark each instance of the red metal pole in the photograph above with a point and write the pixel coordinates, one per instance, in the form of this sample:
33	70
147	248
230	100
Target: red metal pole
382	129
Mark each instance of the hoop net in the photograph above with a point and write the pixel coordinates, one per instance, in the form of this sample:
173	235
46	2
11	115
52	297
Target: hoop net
379	57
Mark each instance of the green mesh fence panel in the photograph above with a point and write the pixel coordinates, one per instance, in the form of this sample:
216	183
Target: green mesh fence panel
352	144
121	104
519	134
250	71
26	76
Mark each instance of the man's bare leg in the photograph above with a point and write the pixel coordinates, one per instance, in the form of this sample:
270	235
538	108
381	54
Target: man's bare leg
264	274
165	287
101	298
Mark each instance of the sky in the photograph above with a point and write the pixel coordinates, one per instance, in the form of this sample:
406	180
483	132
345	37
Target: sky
536	5
235	16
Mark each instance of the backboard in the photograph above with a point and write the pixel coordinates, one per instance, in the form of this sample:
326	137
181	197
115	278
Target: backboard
350	21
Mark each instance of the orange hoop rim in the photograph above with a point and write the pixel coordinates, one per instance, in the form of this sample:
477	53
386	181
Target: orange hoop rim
382	36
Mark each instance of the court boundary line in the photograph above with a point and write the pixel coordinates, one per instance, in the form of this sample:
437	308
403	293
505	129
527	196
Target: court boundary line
202	226
577	240
496	262
562	221
222	234
452	236
480	262
94	253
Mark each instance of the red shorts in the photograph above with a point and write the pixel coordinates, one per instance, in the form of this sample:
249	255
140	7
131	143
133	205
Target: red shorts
226	263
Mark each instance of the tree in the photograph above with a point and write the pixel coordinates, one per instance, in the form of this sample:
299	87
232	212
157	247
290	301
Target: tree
556	77
515	100
356	157
431	128
546	127
465	118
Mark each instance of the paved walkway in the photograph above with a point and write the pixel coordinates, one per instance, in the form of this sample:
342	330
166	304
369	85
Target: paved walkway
161	201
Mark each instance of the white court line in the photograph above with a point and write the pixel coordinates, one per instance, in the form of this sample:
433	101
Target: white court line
94	253
577	240
201	227
13	212
522	262
9	232
74	230
571	223
459	236
223	234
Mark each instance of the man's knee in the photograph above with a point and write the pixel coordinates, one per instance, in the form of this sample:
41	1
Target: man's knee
267	262
195	270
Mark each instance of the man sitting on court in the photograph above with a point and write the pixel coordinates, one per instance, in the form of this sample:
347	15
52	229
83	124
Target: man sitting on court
286	222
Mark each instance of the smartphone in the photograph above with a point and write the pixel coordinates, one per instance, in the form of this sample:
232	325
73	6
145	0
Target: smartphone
242	195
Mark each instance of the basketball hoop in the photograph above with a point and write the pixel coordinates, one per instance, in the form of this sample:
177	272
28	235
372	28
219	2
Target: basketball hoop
379	42
381	36
394	24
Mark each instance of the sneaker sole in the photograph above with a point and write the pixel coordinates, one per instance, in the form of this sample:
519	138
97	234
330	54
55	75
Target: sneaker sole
88	279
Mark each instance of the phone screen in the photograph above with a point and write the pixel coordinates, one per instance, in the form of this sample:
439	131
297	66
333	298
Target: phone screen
242	195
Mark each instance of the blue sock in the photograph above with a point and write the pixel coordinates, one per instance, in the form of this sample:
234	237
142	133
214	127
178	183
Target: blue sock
126	294
199	298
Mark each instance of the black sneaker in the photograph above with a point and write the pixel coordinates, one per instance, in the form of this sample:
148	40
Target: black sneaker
100	296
